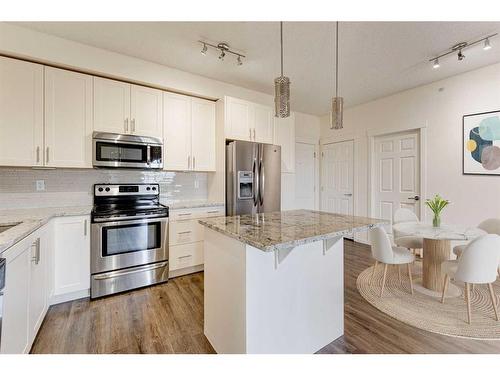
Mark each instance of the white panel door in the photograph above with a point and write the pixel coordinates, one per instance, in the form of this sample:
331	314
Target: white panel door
284	136
176	132
146	111
305	179
111	106
337	177
203	135
396	174
263	124
71	255
68	119
239	119
21	113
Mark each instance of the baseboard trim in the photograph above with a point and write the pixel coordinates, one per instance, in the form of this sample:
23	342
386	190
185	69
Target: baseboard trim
185	271
54	300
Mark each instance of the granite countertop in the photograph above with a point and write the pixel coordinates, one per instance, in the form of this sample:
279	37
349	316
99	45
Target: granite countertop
30	219
183	204
278	230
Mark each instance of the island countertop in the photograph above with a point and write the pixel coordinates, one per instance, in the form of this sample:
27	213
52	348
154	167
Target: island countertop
285	229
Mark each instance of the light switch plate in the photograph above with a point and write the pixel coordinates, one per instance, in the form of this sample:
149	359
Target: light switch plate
40	185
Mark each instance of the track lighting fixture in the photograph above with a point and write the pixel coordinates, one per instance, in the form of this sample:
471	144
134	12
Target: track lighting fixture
224	50
204	50
487	44
460	47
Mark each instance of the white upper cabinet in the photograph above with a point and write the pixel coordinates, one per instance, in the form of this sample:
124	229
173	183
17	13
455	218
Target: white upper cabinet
188	133
176	132
123	108
203	135
248	121
68	119
263	124
111	106
21	113
284	136
146	111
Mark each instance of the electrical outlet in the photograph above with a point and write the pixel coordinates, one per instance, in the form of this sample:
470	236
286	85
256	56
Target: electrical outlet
40	185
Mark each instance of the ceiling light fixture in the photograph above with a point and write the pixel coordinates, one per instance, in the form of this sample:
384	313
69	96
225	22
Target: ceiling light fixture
336	115
460	47
487	44
224	50
204	49
281	88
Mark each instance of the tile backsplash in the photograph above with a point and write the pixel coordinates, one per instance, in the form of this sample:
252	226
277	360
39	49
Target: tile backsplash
73	187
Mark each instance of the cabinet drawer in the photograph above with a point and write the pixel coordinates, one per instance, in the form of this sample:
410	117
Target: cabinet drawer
188	255
214	212
183	215
185	231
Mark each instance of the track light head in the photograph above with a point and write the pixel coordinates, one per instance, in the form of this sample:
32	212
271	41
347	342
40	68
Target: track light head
238	61
487	44
460	55
436	65
204	49
222	55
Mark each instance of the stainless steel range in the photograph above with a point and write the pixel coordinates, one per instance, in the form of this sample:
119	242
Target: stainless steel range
129	238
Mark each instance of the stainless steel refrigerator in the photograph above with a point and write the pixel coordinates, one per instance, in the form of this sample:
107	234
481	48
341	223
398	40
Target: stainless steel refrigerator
253	178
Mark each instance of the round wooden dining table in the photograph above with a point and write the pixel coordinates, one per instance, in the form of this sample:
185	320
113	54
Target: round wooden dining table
437	249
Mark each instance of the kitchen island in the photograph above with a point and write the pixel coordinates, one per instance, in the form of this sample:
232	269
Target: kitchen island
274	282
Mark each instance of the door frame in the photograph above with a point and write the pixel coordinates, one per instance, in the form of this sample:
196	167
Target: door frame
317	175
372	134
355	184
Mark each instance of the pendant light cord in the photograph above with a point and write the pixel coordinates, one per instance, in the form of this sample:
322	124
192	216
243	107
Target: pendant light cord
281	42
337	59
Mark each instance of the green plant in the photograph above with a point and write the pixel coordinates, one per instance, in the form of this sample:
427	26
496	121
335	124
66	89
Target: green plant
436	205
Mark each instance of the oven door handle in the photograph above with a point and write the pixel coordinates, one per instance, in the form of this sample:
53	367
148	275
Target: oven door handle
126	222
110	275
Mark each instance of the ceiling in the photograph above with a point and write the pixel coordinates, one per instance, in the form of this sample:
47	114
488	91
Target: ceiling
375	59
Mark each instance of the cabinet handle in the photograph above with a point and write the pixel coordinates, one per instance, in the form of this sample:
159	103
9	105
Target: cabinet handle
254	134
85	227
36	258
185	232
47	155
38	154
126	125
189	162
132	125
184	256
187	214
250	133
194	162
212	212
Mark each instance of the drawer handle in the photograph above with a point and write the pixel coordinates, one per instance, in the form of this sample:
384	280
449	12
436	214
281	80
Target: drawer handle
212	212
184	256
185	214
185	232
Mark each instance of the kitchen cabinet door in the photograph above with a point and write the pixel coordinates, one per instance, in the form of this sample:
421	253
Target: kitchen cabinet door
203	135
15	335
146	111
111	106
239	119
263	124
71	255
68	119
284	136
176	132
21	113
38	304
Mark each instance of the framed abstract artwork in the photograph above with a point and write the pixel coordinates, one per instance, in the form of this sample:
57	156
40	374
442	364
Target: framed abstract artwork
481	143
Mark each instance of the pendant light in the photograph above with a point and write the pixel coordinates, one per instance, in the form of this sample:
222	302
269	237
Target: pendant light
282	88
336	115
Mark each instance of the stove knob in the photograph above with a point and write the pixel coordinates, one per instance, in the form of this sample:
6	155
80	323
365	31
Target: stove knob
148	188
107	189
100	189
154	187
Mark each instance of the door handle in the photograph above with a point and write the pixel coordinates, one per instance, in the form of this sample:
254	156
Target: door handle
255	182
348	194
132	125
126	125
415	198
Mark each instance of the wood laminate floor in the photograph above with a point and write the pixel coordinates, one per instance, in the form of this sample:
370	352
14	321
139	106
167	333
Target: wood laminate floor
169	319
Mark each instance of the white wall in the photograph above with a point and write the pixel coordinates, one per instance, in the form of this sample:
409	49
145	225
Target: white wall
438	106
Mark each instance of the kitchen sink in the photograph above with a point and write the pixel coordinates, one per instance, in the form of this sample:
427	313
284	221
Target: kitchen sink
5	227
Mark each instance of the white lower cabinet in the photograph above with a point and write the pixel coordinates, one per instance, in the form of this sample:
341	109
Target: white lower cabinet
186	239
71	258
49	266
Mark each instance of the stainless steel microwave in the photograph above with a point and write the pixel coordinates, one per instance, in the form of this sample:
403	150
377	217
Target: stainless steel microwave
126	151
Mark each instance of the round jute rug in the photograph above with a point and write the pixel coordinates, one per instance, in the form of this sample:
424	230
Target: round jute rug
426	312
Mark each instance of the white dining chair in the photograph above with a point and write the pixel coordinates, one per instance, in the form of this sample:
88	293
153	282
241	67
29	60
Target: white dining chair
491	226
477	265
404	215
383	252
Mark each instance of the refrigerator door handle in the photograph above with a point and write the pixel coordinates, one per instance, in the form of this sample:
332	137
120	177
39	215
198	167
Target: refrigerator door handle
262	176
255	182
